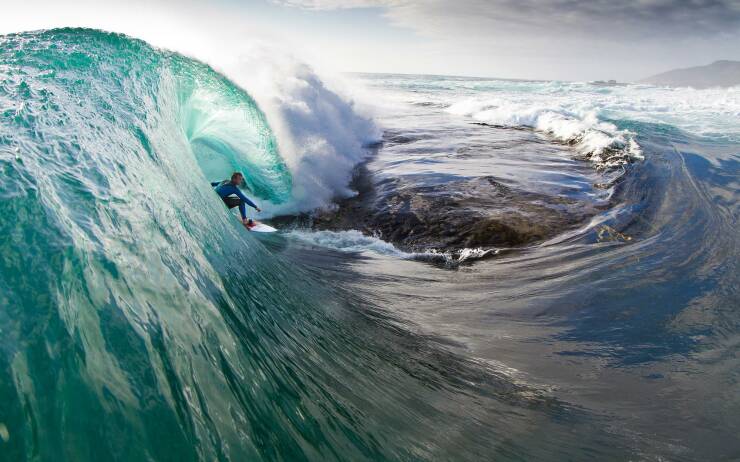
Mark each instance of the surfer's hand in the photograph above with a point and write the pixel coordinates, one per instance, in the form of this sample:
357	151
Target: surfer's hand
259	209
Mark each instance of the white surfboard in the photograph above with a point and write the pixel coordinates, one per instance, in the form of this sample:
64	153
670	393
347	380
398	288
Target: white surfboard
259	227
262	228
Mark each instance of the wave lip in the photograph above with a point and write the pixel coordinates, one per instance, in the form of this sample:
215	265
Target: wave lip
602	143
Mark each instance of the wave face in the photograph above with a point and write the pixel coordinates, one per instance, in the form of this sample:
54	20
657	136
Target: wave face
116	259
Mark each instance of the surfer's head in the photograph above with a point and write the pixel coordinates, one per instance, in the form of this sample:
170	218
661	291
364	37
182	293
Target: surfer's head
237	178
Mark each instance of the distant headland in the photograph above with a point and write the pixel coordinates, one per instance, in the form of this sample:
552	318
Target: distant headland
718	74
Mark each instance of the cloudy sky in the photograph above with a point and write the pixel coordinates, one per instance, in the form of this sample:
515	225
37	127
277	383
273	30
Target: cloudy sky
556	39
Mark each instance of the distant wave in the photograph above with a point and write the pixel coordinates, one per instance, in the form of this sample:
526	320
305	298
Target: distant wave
601	142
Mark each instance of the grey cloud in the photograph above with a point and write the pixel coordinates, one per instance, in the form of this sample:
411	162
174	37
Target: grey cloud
607	18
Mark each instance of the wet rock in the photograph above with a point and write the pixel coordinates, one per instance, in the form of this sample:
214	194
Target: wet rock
469	213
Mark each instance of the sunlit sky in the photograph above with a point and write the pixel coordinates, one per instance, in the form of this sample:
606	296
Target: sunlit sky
559	39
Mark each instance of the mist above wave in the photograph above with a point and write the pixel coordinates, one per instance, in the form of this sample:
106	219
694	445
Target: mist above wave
321	133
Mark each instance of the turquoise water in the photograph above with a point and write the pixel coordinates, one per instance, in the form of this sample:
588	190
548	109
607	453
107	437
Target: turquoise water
139	321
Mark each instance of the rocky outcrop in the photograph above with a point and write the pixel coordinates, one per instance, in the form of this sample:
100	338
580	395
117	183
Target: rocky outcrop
471	213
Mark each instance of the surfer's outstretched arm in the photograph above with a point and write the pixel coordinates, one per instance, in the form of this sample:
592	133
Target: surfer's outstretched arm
246	200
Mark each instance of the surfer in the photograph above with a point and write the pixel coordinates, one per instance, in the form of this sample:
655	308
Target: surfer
232	196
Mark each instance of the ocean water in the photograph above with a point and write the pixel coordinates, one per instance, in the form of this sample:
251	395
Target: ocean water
140	321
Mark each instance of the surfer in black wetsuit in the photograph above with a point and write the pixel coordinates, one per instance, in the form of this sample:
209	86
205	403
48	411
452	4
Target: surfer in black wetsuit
232	196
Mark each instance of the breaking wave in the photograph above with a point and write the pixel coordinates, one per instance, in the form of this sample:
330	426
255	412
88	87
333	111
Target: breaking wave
601	142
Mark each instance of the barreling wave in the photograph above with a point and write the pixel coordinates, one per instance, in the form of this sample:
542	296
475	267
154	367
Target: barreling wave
119	95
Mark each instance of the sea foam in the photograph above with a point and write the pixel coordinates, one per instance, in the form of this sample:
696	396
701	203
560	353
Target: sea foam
321	133
353	241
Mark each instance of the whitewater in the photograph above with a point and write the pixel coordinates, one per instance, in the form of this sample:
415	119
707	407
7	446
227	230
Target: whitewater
467	268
